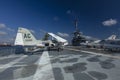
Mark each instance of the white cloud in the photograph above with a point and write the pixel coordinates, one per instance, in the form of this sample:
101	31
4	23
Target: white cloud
2	33
2	25
32	31
56	18
63	34
6	33
12	39
10	29
89	37
118	29
68	12
110	22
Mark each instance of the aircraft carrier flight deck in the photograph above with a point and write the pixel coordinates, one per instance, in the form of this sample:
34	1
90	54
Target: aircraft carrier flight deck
69	64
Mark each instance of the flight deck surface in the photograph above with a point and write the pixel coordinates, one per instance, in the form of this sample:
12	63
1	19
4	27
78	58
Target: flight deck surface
63	65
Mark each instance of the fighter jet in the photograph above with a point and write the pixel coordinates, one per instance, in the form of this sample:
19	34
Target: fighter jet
26	39
109	44
99	43
112	44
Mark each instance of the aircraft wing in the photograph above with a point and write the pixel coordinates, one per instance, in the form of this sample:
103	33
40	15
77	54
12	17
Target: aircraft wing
59	39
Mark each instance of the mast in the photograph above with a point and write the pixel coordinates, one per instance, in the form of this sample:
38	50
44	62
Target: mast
77	37
76	24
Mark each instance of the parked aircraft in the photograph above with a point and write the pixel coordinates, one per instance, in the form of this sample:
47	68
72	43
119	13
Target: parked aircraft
107	44
26	39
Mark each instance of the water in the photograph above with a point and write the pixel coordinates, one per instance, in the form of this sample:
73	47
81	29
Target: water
8	50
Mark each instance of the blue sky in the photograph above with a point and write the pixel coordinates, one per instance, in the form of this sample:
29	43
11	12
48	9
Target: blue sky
97	18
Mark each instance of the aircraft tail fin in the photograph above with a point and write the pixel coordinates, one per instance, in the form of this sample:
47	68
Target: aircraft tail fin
24	37
112	37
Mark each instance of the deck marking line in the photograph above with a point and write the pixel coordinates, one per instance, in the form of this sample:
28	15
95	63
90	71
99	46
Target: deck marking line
44	70
107	55
10	64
